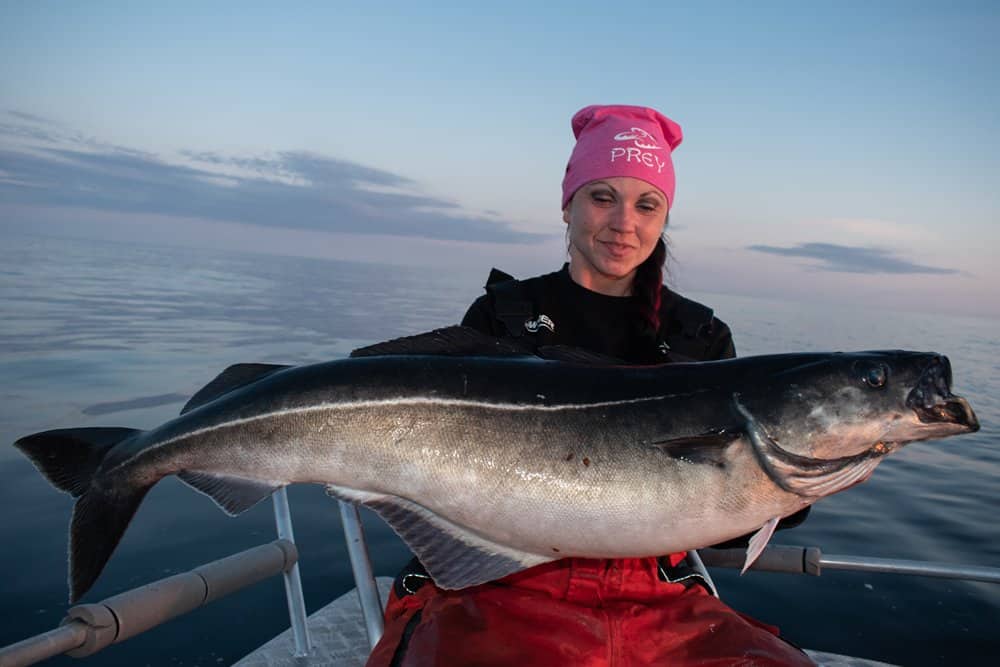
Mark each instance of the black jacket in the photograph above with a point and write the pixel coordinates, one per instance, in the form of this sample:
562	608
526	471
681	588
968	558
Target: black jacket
553	310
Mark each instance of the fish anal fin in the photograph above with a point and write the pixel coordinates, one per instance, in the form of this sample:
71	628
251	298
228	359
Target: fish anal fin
454	341
237	375
233	494
454	556
758	542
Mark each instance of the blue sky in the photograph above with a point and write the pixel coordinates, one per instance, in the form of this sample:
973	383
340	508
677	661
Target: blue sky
833	151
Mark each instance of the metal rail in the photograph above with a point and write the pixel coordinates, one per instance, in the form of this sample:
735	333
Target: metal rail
44	646
293	582
810	560
88	628
361	566
700	568
922	568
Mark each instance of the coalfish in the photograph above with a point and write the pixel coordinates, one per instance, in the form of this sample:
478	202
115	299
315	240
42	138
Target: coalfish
491	463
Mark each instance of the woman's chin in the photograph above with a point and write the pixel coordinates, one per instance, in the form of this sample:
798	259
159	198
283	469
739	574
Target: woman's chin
616	268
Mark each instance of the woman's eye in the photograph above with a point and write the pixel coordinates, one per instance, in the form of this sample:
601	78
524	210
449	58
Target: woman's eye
876	376
602	197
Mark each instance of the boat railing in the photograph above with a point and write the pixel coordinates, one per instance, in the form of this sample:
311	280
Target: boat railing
811	560
88	628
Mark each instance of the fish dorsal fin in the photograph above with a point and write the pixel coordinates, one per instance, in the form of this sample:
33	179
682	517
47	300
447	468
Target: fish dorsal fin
454	556
456	341
706	448
575	355
237	375
233	494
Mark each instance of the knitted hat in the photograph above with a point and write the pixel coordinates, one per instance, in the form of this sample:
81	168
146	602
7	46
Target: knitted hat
621	140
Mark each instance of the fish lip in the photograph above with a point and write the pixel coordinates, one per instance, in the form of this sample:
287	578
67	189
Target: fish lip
952	410
932	401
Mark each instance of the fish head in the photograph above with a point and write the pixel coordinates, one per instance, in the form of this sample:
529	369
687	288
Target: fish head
850	404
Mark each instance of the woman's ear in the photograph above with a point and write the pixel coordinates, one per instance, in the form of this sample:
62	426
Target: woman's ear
566	213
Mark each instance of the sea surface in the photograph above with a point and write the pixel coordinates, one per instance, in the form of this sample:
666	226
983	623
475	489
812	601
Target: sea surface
108	334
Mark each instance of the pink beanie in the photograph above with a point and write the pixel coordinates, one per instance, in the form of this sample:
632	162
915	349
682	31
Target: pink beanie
620	140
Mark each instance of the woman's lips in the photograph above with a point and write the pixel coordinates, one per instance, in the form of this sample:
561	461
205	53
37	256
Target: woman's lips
616	249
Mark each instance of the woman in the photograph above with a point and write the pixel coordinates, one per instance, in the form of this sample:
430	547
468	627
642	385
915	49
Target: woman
608	300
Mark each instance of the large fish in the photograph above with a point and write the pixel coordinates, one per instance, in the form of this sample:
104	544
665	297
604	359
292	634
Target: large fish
489	464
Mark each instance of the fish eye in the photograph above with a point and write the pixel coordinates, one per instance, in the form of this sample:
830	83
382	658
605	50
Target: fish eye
876	376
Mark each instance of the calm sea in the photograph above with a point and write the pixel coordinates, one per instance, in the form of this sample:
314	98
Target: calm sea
97	333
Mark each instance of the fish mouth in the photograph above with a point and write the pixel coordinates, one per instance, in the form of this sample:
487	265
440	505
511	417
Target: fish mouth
932	401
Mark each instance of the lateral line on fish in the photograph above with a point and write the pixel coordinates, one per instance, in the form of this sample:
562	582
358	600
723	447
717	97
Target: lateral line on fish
446	402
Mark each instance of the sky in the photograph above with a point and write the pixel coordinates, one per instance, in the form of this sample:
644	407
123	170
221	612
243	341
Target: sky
834	152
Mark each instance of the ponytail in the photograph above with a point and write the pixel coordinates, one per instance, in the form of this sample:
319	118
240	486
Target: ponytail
647	289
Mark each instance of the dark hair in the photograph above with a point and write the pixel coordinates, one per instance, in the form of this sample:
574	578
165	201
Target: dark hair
647	288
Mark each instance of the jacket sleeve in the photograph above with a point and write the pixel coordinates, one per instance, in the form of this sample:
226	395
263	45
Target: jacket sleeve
722	346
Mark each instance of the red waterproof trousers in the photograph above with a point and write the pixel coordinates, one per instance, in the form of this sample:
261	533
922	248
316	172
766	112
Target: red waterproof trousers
577	612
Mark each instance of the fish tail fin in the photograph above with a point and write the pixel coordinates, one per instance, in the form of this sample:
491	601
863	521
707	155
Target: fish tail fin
100	518
70	459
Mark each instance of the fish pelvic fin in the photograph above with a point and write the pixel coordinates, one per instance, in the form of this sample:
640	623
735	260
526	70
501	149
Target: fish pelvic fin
758	542
70	459
454	556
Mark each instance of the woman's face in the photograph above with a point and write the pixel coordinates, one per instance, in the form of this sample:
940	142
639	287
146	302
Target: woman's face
614	224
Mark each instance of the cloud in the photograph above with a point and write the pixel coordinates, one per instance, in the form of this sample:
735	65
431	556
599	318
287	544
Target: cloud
30	117
43	165
852	259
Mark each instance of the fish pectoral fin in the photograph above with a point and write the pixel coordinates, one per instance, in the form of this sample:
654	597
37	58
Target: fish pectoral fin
707	448
454	556
233	494
454	341
234	377
758	542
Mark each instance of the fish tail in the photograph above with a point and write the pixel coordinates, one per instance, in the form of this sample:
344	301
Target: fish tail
71	459
100	518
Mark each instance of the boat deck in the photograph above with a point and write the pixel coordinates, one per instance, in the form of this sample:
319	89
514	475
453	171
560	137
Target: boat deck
336	633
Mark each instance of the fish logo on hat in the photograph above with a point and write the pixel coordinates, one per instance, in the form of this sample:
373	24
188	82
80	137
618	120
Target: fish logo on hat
642	138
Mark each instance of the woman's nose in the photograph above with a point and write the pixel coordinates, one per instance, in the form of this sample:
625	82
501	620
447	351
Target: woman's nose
623	218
